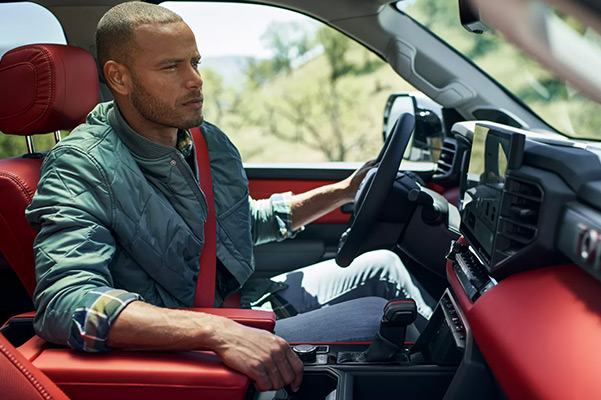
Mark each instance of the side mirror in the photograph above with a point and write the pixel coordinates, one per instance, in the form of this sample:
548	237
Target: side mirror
426	142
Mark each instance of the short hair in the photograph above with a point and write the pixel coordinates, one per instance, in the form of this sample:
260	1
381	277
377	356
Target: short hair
114	33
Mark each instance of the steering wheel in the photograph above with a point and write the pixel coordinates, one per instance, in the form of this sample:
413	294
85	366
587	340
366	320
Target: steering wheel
374	190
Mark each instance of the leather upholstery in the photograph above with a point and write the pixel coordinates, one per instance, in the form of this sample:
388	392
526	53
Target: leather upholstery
18	182
539	333
21	380
46	87
137	375
43	88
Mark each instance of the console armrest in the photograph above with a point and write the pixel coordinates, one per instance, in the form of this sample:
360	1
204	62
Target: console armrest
147	375
136	375
253	318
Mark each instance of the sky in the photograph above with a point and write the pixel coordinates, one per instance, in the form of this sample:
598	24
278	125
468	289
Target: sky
23	23
207	18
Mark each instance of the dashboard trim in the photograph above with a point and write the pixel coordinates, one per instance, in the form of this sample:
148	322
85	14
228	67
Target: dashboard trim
539	328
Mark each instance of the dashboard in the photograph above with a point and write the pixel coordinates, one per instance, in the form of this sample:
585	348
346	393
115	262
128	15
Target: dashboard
524	276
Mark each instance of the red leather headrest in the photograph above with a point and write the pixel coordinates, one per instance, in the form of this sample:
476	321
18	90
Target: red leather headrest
45	88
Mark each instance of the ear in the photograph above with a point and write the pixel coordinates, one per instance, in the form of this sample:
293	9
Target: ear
118	78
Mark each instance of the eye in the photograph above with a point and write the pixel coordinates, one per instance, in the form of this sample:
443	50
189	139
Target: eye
170	67
196	63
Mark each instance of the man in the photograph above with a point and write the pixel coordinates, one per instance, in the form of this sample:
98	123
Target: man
121	215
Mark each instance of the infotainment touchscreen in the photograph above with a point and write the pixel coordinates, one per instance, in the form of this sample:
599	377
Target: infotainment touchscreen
494	151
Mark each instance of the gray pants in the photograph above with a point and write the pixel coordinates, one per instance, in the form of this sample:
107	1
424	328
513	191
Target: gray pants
345	304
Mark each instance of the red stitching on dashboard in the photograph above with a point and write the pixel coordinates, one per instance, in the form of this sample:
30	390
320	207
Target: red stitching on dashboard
26	372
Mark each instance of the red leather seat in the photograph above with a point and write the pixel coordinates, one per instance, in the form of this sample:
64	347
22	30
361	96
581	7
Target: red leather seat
21	380
45	88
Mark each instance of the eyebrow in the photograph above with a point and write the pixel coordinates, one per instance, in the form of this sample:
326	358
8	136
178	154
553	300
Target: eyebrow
177	60
171	61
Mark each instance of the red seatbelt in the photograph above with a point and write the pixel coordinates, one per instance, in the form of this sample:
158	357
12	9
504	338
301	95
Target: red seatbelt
205	286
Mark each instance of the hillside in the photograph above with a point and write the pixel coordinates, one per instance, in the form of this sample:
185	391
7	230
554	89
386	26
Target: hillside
301	117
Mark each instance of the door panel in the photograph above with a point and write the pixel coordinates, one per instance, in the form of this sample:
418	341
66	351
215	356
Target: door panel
318	241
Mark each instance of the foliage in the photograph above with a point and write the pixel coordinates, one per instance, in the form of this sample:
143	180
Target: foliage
12	145
321	110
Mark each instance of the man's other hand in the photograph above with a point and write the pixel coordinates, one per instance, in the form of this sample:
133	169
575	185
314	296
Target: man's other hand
264	357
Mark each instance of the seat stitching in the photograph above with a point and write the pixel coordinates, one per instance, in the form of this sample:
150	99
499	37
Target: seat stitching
22	185
26	372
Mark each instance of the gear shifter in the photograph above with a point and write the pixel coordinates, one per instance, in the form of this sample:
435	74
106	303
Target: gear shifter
390	339
388	342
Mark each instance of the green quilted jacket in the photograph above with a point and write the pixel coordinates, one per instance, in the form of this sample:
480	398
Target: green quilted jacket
116	209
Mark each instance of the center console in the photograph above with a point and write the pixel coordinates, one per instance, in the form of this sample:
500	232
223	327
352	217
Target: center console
388	366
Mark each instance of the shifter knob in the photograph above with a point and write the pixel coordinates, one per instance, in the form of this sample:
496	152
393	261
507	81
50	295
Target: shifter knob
398	313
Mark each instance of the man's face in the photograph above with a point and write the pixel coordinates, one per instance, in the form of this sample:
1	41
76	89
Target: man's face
166	86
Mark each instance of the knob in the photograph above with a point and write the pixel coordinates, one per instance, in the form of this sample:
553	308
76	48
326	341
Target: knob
306	352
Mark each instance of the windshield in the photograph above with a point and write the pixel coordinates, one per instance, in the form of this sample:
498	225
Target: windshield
559	104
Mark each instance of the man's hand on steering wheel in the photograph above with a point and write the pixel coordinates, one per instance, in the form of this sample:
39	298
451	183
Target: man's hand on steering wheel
373	193
353	181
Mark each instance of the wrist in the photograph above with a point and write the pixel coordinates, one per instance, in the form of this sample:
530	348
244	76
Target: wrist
345	191
210	331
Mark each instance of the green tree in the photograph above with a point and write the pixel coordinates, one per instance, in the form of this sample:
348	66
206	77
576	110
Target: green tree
311	114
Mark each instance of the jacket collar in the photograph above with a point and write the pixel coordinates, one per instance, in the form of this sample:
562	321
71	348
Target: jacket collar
136	143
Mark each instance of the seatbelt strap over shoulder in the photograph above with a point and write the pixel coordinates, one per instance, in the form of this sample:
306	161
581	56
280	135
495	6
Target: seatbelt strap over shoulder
205	286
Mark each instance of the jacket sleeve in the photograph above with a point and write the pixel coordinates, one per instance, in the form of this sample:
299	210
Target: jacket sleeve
72	210
271	219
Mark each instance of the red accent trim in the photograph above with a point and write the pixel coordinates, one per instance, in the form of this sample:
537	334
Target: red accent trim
339	343
436	187
451	194
254	318
539	332
263	188
331	343
205	285
399	301
460	294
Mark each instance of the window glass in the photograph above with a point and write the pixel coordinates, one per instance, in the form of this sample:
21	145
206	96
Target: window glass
21	24
27	23
287	88
559	104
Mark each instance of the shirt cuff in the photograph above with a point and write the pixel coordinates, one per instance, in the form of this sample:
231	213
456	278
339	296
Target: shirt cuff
282	211
95	315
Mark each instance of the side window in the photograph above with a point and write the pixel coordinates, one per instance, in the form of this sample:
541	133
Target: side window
20	24
287	88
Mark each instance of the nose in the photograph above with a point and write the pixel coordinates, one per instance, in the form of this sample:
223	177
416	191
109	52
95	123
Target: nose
194	80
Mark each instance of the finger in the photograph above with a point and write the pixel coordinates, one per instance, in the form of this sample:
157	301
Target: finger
297	367
262	380
277	381
257	371
286	371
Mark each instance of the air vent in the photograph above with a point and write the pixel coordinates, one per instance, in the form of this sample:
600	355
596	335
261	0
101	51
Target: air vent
518	222
445	161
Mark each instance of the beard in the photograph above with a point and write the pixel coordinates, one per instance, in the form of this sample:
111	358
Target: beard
155	110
